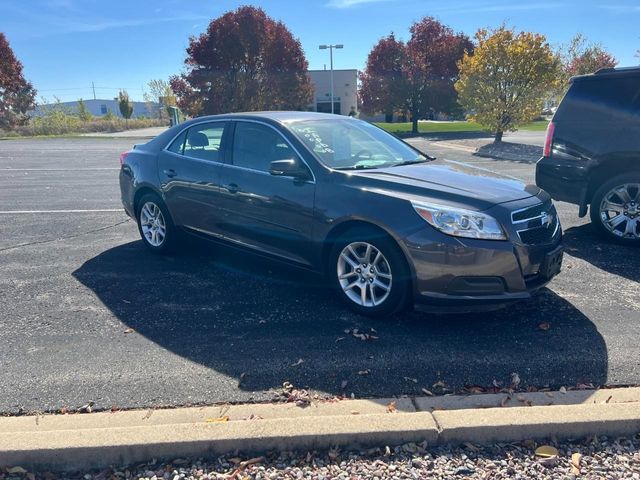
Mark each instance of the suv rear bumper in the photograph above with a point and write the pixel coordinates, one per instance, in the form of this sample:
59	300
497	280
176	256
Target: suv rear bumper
564	180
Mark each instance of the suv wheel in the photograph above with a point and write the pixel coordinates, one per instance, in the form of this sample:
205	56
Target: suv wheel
370	274
615	209
155	225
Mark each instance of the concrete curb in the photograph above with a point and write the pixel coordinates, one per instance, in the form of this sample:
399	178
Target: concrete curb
121	438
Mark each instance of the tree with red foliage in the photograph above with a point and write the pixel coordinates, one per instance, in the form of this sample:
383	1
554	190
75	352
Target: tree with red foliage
382	81
245	61
17	95
434	51
417	76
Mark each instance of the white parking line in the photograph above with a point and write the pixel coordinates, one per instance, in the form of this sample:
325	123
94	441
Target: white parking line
22	212
55	169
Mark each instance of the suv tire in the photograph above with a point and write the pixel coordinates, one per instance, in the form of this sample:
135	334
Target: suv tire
615	209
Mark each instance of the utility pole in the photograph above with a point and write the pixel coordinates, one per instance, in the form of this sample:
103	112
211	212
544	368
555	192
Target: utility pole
331	47
93	86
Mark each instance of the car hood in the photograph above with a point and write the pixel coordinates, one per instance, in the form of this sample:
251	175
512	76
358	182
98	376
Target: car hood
447	180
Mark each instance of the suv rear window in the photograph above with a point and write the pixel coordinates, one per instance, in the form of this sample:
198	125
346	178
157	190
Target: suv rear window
601	98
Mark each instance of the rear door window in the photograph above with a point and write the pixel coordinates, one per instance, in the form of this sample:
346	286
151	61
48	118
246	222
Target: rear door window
177	146
204	141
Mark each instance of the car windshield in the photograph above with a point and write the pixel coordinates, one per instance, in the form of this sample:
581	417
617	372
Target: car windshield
354	144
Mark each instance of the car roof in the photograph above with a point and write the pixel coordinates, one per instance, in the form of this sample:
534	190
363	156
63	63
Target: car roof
609	72
280	116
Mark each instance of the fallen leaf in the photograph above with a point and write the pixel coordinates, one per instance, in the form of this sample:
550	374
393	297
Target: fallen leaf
474	389
344	384
86	408
575	463
218	420
364	372
242	375
391	407
339	339
299	362
515	380
353	412
16	470
439	384
529	444
546	451
529	403
409	379
261	322
548	461
504	401
562	390
126	301
549	394
427	392
333	453
496	383
544	326
129	330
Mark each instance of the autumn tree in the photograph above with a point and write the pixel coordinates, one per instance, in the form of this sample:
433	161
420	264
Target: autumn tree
583	57
504	82
125	105
17	95
244	61
382	81
160	93
433	54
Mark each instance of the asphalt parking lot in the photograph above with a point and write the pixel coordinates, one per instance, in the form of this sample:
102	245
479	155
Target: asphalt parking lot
212	325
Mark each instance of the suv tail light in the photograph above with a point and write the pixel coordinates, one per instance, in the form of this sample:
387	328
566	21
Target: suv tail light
123	157
548	139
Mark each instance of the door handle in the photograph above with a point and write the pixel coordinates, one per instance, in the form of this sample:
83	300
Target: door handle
232	188
170	172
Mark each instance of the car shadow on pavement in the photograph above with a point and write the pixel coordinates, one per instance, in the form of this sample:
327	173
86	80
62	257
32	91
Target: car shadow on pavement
263	323
583	242
514	152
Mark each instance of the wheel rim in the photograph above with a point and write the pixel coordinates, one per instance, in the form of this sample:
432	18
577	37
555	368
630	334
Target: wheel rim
620	211
364	274
154	228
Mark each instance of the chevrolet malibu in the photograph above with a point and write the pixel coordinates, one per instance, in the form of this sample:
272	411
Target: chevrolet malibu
389	226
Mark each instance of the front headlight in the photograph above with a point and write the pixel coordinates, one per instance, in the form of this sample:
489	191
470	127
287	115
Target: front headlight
460	222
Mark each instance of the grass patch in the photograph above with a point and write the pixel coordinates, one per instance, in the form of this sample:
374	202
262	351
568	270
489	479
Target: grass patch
449	127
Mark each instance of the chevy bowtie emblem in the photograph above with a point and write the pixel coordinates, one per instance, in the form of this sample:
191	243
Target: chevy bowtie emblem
546	219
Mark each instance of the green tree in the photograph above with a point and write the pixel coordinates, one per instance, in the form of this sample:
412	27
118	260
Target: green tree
504	83
125	105
83	112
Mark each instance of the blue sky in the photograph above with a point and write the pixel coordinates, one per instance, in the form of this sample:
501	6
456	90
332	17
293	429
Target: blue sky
66	44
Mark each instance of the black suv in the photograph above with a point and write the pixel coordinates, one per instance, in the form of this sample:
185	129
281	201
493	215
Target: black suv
592	151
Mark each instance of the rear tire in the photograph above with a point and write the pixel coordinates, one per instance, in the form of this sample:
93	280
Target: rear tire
155	225
369	273
615	209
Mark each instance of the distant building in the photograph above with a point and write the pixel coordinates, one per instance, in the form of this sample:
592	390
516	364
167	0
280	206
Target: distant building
99	108
345	91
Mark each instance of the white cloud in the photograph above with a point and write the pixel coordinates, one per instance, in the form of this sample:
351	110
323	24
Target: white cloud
351	3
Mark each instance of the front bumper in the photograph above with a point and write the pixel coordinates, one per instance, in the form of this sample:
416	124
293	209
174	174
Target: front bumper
459	274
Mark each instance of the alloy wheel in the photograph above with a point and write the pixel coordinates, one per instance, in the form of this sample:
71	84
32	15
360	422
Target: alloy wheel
620	211
364	274
153	225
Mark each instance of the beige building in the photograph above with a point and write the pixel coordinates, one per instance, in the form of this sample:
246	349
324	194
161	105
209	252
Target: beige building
345	91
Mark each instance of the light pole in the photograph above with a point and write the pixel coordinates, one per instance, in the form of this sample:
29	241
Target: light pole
331	47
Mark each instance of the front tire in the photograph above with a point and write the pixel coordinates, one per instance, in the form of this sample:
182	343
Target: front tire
155	225
369	273
615	209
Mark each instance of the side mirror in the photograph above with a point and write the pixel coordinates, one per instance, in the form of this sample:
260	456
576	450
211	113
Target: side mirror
289	168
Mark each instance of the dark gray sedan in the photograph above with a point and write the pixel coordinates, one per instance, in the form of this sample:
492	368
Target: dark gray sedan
390	227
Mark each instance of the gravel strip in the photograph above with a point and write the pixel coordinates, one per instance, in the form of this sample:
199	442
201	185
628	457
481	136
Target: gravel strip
598	458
